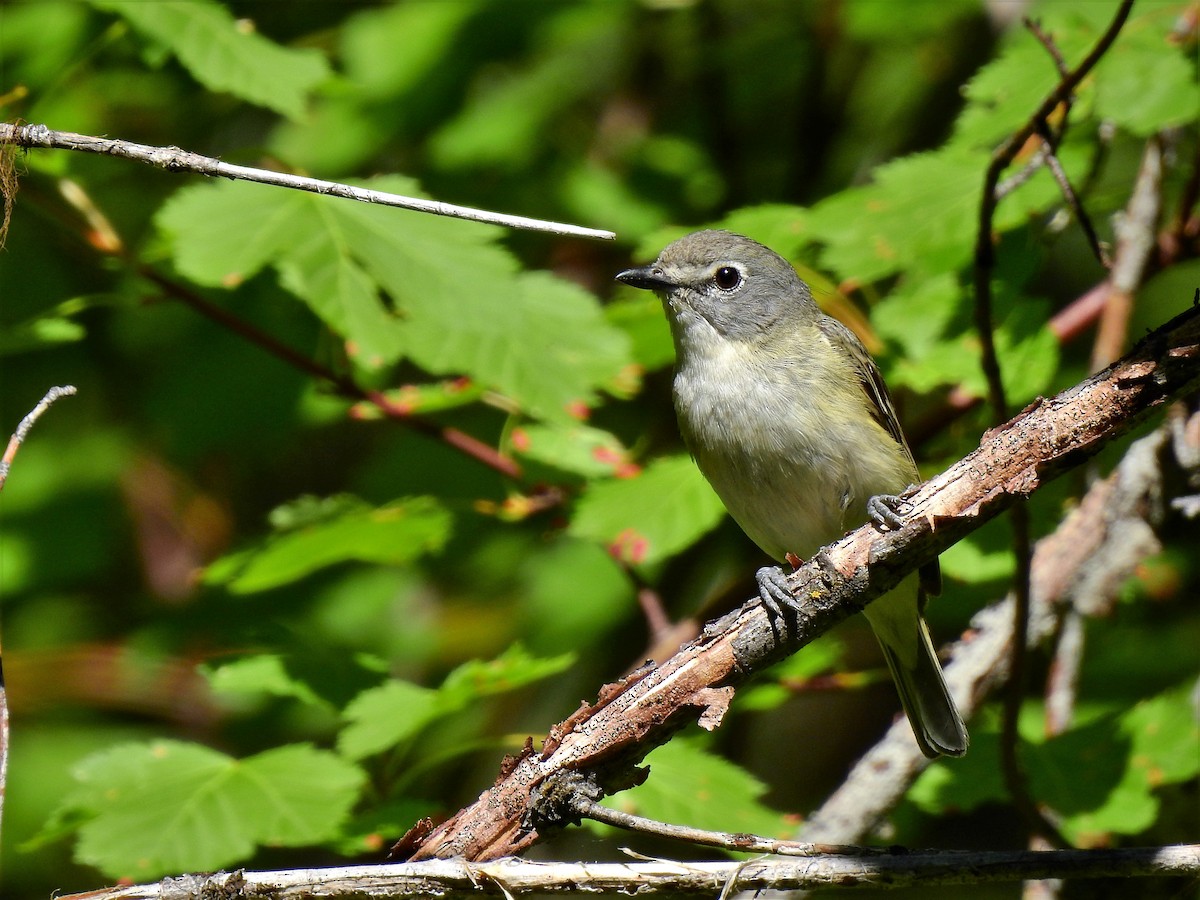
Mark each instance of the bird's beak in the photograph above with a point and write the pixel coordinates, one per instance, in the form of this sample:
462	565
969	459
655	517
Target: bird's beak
649	278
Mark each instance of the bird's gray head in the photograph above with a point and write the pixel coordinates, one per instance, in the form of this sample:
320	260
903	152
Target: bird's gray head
727	282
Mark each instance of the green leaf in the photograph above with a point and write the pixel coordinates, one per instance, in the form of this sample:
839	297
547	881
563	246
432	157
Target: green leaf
252	676
1153	744
384	716
39	333
640	315
690	785
394	534
919	215
381	717
168	806
572	592
512	669
582	449
915	316
461	306
539	339
1148	82
972	562
224	55
648	518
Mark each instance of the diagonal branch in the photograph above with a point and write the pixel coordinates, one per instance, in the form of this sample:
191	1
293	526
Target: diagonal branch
605	741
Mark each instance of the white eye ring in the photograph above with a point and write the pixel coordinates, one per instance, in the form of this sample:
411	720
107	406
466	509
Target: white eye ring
727	278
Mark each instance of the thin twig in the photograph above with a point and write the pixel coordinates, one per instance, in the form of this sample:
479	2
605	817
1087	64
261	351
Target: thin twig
1068	192
174	159
1047	41
10	453
14	443
724	840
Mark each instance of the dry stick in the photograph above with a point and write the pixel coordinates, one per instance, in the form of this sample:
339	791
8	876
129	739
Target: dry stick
984	264
14	443
453	879
605	741
173	159
1135	239
10	453
1092	552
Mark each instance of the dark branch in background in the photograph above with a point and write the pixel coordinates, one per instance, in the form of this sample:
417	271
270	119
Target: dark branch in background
1093	551
173	159
1135	239
605	741
985	258
454	437
10	453
453	879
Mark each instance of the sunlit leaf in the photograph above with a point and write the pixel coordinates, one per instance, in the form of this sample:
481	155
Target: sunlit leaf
224	55
175	807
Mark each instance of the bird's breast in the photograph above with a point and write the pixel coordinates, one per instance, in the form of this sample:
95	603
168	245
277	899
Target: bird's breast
793	462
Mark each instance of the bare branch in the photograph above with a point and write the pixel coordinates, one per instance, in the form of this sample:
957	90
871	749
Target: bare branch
173	159
512	877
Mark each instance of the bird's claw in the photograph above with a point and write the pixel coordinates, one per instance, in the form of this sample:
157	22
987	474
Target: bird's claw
774	591
887	511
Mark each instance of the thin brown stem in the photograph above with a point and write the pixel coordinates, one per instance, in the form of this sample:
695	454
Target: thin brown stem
452	437
985	259
1068	192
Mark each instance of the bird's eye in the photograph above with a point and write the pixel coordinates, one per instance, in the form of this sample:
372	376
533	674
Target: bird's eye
727	278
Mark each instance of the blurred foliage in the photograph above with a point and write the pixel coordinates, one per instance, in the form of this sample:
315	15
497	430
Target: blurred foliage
252	620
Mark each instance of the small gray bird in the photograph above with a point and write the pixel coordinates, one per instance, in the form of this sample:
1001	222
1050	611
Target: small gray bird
788	418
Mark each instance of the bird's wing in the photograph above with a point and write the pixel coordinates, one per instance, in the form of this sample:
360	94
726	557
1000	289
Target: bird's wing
882	410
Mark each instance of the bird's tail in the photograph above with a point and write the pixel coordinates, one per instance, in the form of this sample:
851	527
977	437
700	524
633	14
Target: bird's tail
914	665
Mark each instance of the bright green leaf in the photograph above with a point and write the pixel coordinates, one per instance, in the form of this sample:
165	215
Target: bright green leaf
582	449
175	807
461	307
971	562
224	55
383	716
691	785
256	675
648	518
393	534
513	668
919	214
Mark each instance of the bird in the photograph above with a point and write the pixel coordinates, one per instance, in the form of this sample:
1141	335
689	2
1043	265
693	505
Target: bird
789	419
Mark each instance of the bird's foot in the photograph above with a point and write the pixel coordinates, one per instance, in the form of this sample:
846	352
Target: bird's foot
775	593
887	511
